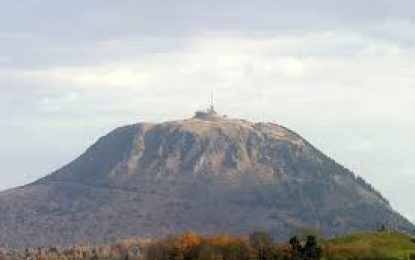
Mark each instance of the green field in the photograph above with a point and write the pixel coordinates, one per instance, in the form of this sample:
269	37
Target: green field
371	245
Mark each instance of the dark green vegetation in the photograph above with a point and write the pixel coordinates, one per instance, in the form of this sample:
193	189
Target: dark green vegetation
211	173
257	246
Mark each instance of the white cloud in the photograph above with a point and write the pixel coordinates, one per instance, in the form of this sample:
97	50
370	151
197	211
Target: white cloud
363	145
58	102
368	79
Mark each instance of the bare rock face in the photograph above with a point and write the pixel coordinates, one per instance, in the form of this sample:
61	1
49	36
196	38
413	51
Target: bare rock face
209	173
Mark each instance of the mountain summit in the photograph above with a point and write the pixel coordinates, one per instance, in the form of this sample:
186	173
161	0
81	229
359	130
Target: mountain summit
210	173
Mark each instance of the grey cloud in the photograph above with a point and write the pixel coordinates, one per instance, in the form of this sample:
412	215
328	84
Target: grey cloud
44	33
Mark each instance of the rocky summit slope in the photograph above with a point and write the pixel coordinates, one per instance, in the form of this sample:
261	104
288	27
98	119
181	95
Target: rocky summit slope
209	173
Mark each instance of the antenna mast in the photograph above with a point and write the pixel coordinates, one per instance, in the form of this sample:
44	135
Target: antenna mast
212	109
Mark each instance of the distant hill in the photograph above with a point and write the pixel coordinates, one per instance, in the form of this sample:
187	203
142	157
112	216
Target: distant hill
209	173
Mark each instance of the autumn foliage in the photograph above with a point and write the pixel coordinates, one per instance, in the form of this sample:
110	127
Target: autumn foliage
188	245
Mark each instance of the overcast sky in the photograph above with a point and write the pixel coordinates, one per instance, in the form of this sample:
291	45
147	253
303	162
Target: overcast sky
340	73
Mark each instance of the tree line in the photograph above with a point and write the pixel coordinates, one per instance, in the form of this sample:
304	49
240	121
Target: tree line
190	245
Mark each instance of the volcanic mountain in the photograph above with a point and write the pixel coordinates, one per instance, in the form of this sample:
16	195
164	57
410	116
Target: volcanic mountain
209	173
